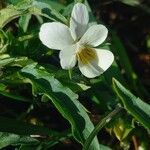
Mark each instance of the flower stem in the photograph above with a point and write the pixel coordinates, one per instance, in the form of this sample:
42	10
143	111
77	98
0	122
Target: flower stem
70	73
78	1
99	126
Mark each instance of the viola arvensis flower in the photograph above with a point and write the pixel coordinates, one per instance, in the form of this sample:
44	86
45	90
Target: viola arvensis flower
77	43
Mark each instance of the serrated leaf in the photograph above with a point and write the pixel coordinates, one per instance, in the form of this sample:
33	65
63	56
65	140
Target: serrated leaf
134	105
64	100
7	139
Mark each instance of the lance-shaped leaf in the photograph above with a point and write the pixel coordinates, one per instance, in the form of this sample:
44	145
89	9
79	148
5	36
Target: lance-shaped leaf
64	100
134	105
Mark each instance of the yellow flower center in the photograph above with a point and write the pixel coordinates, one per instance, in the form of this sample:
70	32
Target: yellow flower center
85	55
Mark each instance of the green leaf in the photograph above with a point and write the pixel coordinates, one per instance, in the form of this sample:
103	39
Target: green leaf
43	9
103	147
131	2
14	61
3	41
134	105
7	139
122	128
54	4
30	147
24	22
64	100
32	7
6	61
8	14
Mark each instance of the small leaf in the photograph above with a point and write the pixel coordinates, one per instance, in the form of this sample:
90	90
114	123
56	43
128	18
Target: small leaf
8	14
131	2
4	42
6	61
14	61
7	139
134	105
24	22
122	128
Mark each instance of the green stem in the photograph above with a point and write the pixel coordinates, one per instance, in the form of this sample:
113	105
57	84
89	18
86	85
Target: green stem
27	37
99	126
70	73
78	1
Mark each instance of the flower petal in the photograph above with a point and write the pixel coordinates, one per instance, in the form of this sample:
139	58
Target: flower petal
79	20
94	36
105	58
68	57
55	35
97	66
91	69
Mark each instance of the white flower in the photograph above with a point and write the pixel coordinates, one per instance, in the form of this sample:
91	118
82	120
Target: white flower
77	43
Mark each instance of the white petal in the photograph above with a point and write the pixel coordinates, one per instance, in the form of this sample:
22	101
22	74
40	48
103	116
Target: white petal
55	35
91	69
98	66
105	58
79	20
94	36
68	57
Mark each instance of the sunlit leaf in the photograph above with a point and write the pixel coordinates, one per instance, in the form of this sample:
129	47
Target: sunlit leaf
6	61
8	14
29	7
